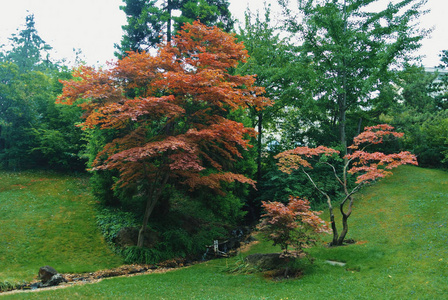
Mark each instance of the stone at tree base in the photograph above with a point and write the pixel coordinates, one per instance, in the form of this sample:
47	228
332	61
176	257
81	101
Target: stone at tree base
46	273
267	261
128	236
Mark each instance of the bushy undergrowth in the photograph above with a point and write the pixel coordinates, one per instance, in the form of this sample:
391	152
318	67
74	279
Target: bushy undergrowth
111	220
182	224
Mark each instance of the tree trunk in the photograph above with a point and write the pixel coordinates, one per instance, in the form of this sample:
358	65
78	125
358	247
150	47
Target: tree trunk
259	144
168	25
334	229
341	238
345	216
149	208
342	123
343	97
332	222
153	198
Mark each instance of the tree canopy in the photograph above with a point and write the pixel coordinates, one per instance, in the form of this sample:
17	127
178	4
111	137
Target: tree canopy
349	50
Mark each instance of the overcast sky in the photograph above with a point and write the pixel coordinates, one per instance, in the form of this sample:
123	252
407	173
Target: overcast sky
95	25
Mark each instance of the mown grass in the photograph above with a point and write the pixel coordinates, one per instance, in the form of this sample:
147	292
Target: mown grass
402	253
48	219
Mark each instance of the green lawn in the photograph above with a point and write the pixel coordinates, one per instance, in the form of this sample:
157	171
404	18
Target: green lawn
402	253
48	219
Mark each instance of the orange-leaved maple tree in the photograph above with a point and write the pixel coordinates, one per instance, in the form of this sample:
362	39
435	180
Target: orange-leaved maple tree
366	166
293	225
170	111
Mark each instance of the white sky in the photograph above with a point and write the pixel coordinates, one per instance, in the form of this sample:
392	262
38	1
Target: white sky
95	25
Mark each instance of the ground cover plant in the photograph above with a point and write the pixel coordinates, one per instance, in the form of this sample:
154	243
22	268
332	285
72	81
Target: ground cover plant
48	219
401	253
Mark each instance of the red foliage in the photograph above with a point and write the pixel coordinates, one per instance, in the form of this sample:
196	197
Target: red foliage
375	165
292	225
375	135
369	166
169	109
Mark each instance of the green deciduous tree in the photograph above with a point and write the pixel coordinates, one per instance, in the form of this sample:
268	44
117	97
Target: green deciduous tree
34	132
350	49
273	60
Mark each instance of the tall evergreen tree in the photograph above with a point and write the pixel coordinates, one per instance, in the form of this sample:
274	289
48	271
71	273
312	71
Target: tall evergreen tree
151	21
28	48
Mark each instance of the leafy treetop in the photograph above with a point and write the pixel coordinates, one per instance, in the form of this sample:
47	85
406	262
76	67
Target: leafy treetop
170	112
371	166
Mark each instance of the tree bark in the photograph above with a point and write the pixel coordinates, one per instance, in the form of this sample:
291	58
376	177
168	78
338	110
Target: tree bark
153	198
168	25
259	144
345	216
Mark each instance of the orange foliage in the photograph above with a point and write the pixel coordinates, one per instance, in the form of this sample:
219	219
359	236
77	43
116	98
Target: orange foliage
168	109
296	158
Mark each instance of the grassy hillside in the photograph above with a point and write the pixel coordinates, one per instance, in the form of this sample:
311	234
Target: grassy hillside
48	219
402	253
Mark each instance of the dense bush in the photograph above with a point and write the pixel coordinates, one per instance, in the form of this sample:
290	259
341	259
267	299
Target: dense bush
184	225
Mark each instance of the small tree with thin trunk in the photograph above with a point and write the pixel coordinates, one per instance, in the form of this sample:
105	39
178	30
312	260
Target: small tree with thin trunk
368	167
292	226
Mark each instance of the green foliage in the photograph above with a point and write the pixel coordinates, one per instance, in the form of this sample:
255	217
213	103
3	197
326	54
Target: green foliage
190	225
239	265
277	186
184	224
426	136
149	21
209	12
346	52
272	59
419	116
143	255
110	221
29	52
34	131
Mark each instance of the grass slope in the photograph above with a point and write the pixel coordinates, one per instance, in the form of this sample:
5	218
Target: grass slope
402	253
48	219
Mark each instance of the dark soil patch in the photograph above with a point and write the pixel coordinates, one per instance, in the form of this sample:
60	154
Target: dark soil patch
282	274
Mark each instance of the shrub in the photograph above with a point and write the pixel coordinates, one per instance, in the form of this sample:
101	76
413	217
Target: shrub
293	225
111	221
